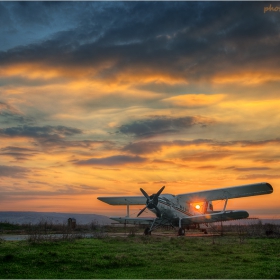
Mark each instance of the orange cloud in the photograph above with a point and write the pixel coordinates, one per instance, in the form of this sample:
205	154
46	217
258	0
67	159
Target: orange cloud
89	75
246	78
195	100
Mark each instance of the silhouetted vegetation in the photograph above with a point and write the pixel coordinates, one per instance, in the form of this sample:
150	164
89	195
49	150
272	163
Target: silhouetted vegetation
46	229
251	230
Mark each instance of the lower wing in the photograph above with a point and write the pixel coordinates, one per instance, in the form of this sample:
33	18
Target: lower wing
215	217
199	219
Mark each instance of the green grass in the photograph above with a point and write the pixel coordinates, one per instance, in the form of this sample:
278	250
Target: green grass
142	257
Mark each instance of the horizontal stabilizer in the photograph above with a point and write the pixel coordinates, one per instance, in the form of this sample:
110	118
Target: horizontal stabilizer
124	200
135	221
215	217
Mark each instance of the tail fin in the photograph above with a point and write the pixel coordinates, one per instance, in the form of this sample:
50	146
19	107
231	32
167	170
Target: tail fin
209	207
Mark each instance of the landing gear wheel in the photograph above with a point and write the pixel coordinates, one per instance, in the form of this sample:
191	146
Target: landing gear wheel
147	231
181	232
205	231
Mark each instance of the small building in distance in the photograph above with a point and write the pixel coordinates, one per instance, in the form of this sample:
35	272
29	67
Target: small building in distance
72	223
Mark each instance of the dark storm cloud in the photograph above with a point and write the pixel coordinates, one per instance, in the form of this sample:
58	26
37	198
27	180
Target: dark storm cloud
13	171
184	39
157	125
113	160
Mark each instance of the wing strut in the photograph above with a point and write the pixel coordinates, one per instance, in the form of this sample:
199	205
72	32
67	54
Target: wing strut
225	205
127	210
151	227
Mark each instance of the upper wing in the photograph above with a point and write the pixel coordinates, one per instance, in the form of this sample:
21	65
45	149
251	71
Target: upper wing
215	217
124	200
230	192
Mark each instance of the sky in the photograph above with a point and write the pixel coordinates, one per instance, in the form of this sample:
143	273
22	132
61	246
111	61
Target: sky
105	98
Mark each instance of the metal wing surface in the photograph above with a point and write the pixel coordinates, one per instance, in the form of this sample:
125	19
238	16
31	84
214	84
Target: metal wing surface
124	200
215	217
229	192
135	221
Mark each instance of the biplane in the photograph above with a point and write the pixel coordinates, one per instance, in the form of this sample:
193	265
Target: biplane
187	210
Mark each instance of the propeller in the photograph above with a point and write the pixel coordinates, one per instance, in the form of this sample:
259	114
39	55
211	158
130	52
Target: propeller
152	202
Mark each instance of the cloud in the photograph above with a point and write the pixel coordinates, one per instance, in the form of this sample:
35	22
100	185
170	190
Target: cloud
143	147
46	138
112	160
10	114
252	143
118	45
245	169
18	153
55	147
157	125
22	194
195	100
207	155
47	133
7	109
258	176
13	171
247	77
205	167
150	147
75	189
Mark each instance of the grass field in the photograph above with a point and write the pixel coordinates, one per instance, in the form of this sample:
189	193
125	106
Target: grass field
142	257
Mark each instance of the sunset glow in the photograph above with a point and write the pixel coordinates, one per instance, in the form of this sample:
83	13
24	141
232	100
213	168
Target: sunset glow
102	98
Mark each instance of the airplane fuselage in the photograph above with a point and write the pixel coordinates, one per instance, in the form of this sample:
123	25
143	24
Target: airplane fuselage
172	208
